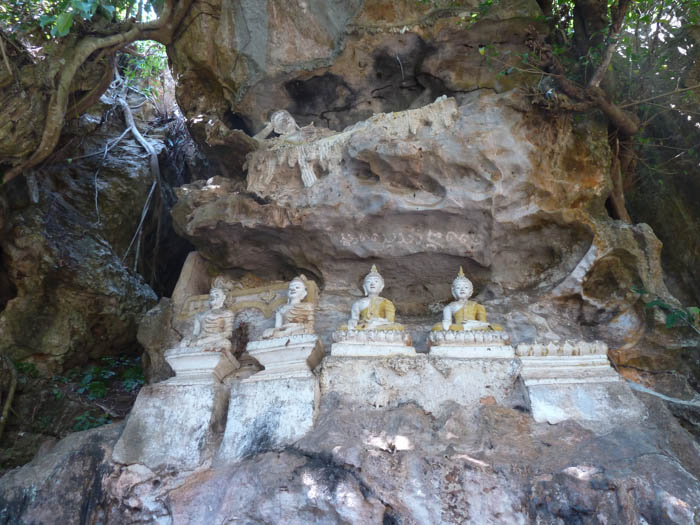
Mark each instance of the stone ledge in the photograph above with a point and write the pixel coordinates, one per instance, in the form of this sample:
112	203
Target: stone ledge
473	352
377	350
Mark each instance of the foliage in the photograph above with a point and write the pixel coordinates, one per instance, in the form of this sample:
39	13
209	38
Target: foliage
86	421
675	315
59	17
27	369
97	380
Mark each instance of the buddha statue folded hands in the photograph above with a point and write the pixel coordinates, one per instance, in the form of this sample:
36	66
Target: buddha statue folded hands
462	314
373	312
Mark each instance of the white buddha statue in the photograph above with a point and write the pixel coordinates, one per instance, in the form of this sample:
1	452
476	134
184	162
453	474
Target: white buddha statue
373	312
213	328
297	316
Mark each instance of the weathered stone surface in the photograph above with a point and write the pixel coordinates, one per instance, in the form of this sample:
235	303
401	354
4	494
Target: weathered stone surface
600	405
268	415
485	463
176	426
333	62
431	383
63	485
63	239
156	335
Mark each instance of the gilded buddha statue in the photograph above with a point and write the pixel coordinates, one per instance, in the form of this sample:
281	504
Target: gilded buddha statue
463	314
373	312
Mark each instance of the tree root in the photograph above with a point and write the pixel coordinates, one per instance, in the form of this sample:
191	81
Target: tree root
10	395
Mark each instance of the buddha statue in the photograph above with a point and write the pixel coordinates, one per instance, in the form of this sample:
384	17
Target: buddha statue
373	312
297	316
213	328
462	314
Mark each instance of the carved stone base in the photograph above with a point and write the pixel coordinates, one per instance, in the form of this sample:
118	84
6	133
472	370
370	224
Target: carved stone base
194	366
268	415
466	338
560	370
382	337
473	352
371	350
173	425
285	357
371	343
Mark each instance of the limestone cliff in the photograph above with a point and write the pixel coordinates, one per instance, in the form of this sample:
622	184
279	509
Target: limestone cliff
415	154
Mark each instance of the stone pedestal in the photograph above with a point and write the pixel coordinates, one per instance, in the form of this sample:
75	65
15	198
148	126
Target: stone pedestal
267	415
286	357
476	344
574	380
428	381
199	365
173	425
565	362
371	343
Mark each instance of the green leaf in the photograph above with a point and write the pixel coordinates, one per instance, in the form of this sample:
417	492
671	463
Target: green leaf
673	317
482	50
63	24
45	20
658	302
694	310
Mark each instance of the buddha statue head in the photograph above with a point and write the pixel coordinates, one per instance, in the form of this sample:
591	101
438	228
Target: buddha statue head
283	122
217	297
297	290
462	287
373	283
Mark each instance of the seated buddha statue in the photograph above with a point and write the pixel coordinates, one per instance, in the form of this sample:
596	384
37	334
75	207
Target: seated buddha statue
295	317
214	327
373	312
463	314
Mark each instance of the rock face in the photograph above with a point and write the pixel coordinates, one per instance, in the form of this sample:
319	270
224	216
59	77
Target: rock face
64	236
333	63
62	486
487	464
481	181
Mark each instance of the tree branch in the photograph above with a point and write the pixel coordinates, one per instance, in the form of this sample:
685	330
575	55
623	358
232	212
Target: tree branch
619	10
160	30
10	396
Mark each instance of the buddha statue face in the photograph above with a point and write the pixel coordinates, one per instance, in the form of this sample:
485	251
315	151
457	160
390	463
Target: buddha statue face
217	296
373	283
283	122
297	291
462	289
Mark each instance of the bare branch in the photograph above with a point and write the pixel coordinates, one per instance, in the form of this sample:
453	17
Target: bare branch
619	11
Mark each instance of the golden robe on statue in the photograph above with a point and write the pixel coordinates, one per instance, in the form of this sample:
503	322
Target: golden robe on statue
379	308
471	311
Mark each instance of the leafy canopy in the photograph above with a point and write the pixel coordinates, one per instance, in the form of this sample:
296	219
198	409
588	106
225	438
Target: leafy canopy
58	17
